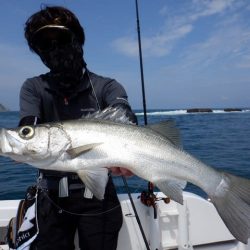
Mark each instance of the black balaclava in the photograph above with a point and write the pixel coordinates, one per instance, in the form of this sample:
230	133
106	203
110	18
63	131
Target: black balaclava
66	65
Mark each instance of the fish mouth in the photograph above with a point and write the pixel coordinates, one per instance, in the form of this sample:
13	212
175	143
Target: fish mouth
5	142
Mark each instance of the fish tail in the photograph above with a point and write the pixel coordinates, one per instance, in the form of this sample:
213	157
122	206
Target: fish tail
232	201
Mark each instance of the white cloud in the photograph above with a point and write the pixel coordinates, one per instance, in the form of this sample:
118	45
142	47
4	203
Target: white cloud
227	48
126	45
177	25
244	63
164	10
157	46
208	8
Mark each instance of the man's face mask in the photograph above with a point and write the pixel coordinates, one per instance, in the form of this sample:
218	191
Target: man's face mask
60	51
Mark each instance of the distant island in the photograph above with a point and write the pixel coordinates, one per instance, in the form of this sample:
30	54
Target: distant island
199	110
232	109
2	108
209	110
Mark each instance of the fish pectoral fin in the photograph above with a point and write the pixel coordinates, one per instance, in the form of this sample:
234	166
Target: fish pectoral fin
75	152
172	188
95	180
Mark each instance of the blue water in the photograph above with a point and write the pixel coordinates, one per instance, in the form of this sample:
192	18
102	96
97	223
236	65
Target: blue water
219	139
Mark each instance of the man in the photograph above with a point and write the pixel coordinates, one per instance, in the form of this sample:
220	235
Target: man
69	91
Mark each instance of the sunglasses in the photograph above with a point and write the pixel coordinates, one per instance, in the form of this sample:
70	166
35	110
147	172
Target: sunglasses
49	37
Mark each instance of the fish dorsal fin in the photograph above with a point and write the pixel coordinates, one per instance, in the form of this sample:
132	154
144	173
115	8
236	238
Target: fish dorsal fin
75	152
169	130
115	114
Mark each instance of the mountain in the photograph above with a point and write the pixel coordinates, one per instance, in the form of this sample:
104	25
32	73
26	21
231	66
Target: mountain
2	108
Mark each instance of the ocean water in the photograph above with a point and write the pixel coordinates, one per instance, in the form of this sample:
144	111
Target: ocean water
219	139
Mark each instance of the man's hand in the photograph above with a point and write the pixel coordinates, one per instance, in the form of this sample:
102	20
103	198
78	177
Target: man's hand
121	171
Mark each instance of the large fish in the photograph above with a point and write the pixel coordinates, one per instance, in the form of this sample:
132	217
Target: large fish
91	145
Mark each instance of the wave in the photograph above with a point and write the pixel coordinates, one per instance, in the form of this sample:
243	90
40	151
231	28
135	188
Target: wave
185	112
165	112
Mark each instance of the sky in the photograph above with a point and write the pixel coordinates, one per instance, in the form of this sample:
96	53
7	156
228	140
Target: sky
196	53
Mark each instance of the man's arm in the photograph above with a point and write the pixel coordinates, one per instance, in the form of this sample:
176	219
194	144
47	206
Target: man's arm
29	103
129	113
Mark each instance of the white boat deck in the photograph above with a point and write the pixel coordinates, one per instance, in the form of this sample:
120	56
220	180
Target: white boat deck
195	225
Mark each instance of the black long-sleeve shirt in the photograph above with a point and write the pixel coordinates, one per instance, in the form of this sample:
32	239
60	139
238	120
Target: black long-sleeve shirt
40	97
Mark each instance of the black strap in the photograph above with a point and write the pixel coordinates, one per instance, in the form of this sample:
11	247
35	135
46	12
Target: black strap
29	120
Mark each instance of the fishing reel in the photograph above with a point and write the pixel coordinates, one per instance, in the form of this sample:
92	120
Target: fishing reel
149	199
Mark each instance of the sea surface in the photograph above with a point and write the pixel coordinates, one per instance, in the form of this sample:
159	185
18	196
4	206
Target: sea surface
220	139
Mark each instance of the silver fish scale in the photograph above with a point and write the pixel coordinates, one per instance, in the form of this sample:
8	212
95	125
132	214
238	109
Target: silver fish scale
138	149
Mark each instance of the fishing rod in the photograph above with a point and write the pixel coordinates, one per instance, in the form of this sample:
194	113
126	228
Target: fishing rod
136	214
141	65
145	123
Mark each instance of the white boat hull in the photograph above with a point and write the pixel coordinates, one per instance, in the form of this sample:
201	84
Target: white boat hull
195	225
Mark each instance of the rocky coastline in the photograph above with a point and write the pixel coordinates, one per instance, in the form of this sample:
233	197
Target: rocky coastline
209	110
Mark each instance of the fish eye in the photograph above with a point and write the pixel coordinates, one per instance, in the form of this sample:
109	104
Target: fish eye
26	132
